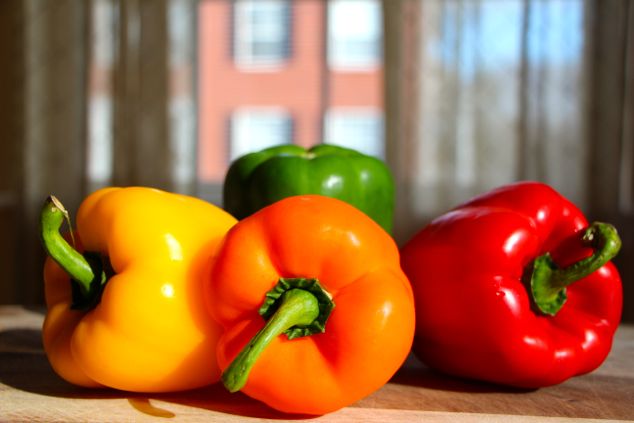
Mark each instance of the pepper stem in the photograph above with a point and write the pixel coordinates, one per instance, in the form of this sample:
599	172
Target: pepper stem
295	307
549	281
87	272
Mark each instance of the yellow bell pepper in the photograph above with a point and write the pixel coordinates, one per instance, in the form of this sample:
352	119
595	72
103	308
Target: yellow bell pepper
127	313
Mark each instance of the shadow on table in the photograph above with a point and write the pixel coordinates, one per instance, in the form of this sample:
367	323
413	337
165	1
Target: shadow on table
24	366
217	398
415	373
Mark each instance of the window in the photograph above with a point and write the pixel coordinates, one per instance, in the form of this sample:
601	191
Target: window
354	34
261	30
244	108
357	128
255	129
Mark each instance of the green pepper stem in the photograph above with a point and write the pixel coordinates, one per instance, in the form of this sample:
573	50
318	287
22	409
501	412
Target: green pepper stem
549	281
297	307
75	264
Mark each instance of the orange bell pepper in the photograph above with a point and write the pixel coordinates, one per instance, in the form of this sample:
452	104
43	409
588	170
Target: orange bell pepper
128	313
326	275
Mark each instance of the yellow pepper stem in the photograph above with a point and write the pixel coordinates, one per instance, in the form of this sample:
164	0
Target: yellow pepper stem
88	272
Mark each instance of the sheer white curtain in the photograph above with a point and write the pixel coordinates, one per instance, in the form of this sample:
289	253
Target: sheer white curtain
494	94
478	93
95	93
142	94
43	78
482	93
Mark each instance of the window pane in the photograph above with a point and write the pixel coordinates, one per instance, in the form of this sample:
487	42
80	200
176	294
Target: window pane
354	42
359	129
253	130
260	32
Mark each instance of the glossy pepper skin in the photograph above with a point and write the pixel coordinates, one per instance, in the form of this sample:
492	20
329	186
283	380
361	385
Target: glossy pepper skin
149	330
262	178
367	334
471	271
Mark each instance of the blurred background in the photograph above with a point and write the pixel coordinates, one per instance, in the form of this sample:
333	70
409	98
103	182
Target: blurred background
457	96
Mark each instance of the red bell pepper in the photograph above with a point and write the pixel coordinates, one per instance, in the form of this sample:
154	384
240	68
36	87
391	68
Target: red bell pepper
514	287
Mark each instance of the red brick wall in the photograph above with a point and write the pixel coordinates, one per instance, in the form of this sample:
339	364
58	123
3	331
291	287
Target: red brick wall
297	86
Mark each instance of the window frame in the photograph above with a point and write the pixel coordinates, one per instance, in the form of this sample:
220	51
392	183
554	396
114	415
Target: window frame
244	35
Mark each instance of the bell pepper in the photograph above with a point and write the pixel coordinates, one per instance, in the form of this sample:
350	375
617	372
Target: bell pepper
515	287
124	307
258	179
316	310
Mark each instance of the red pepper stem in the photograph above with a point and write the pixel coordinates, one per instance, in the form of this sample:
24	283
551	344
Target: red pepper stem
549	281
75	264
297	307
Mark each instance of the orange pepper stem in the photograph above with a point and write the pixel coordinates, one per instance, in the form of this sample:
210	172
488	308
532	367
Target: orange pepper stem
548	281
88	272
296	306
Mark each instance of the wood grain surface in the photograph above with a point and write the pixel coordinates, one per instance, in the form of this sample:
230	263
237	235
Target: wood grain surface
31	391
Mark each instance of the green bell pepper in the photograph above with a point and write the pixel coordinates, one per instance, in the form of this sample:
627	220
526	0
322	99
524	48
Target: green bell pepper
258	179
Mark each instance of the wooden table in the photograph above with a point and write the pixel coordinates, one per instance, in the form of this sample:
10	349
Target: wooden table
30	391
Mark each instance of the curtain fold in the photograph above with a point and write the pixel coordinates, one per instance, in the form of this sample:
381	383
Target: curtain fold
140	141
43	150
